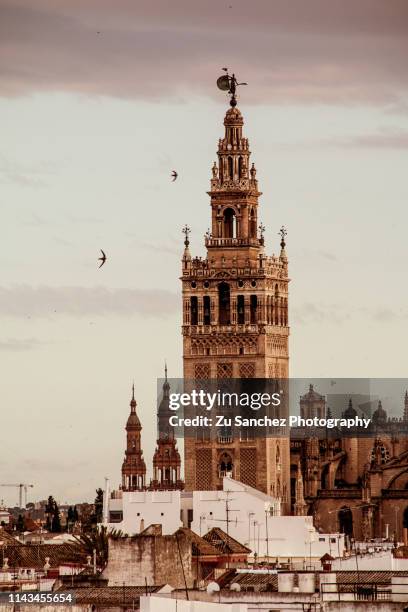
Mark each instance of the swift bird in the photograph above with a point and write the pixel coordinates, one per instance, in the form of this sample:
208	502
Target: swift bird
102	259
174	174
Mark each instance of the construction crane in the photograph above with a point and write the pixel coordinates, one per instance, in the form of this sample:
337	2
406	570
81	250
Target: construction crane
20	486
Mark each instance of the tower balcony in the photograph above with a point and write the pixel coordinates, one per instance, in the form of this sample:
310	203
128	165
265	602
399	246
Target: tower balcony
231	242
194	330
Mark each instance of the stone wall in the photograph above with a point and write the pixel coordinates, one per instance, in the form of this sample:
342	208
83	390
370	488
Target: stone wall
155	559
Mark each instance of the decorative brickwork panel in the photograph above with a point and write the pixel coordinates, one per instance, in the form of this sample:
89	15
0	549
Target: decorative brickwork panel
203	469
247	370
224	370
202	371
248	466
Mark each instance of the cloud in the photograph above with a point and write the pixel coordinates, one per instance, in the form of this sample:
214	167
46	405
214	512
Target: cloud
22	174
44	301
289	52
385	138
310	312
18	344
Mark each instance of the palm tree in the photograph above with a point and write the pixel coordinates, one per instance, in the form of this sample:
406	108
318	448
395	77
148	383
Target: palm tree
97	540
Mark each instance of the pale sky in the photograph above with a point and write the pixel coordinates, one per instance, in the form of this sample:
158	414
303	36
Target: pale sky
91	127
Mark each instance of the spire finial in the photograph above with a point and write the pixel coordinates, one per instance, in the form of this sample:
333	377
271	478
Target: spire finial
133	401
283	233
230	84
165	371
186	231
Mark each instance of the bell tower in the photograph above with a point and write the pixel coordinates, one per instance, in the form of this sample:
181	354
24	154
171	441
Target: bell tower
235	315
133	467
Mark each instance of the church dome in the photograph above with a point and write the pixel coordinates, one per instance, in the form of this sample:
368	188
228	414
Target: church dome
133	420
233	116
350	413
380	415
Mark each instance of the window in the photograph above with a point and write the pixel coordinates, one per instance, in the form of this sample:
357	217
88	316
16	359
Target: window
207	310
240	310
240	167
224	304
230	168
194	310
253	308
229	223
332	540
115	516
322	539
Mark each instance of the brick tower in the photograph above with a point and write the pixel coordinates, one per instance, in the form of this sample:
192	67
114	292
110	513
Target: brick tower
133	467
235	317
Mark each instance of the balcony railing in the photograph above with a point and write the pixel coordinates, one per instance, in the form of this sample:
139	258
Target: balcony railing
224	439
231	242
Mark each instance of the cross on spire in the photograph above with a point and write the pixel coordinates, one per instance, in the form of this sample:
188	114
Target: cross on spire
282	232
186	231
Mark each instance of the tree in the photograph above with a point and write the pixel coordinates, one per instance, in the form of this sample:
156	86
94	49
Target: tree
99	506
53	521
70	518
75	514
97	540
20	525
56	519
49	510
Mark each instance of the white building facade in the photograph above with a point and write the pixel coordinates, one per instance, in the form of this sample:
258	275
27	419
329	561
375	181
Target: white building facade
133	511
246	514
252	518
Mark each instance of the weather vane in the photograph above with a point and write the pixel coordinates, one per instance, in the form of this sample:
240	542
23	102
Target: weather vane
282	233
230	84
186	231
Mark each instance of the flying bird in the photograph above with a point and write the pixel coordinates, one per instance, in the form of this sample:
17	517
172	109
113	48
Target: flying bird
174	174
102	259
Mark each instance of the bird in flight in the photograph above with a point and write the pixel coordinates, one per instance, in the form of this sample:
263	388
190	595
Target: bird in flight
102	259
174	174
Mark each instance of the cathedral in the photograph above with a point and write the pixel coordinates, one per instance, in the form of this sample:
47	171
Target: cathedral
354	484
235	326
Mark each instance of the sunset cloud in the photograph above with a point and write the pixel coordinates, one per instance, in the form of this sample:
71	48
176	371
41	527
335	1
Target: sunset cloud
289	52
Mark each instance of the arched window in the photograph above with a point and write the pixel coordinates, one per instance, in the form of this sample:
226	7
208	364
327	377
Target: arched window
252	223
225	465
230	223
207	310
240	310
253	308
194	310
405	518
379	453
345	517
240	166
230	168
224	304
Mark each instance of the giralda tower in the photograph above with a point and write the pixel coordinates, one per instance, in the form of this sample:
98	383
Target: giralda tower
235	318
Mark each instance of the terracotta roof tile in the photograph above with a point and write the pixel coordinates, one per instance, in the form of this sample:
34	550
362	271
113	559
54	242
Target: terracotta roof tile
200	546
225	543
33	556
113	595
8	539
